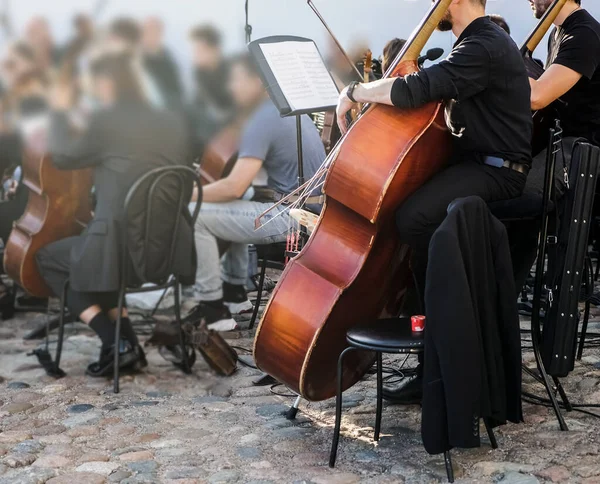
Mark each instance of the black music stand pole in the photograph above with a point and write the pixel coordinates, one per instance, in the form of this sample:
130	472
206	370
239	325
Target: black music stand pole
300	153
248	27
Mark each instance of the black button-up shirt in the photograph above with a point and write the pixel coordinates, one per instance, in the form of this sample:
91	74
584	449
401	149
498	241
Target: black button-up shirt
487	93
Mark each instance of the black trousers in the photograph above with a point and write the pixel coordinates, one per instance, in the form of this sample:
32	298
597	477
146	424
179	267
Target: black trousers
54	265
423	212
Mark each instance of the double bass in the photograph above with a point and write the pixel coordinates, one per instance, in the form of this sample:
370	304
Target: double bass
58	207
353	268
543	119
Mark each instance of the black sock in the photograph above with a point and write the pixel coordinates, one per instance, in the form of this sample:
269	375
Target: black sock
234	293
128	332
104	328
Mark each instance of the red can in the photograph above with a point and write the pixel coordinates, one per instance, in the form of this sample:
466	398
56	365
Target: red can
418	323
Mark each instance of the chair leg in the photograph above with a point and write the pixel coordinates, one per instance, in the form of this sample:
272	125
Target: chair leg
61	325
589	283
118	340
185	362
261	283
449	469
338	408
379	396
490	433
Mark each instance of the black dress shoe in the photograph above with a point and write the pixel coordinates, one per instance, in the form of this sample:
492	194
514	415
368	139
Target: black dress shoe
130	357
408	392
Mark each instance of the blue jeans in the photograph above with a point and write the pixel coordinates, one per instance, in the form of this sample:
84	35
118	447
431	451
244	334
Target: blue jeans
232	222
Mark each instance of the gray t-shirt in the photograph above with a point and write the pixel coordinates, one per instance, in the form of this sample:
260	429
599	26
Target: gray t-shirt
272	139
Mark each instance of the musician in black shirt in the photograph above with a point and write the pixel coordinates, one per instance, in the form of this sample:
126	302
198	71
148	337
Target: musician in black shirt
485	87
571	82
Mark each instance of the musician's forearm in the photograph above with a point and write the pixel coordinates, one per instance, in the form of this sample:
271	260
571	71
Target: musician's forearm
375	92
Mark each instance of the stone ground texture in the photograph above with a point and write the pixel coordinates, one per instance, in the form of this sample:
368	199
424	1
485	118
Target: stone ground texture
166	427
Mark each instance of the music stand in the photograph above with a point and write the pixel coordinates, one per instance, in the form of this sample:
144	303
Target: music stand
297	80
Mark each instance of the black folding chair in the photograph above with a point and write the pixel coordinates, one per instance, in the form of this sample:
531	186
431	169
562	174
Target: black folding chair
165	190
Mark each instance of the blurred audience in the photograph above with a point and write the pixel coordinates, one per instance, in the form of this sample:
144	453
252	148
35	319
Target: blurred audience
159	63
123	34
39	38
212	106
500	21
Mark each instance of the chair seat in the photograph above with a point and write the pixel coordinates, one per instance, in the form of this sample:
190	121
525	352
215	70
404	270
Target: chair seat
386	335
528	205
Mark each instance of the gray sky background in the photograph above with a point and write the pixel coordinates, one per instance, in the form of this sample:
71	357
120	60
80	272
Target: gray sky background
374	21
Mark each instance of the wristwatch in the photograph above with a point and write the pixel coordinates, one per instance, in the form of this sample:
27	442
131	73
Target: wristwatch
350	91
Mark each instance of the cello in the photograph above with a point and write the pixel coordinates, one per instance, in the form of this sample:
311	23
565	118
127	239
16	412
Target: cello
542	119
58	207
353	268
220	155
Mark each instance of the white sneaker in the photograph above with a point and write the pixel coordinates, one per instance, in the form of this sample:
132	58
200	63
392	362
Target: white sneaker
240	308
217	319
223	325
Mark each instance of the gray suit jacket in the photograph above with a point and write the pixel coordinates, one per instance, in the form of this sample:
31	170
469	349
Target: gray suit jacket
121	144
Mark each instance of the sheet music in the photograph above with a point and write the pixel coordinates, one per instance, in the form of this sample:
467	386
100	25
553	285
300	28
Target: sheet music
301	74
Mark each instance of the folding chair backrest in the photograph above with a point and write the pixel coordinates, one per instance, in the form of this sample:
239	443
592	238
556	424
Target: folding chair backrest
156	217
560	325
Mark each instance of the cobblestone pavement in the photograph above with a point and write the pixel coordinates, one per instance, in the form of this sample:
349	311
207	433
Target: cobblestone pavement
166	427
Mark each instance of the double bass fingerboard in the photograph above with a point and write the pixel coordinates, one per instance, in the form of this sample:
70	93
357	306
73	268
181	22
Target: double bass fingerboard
415	44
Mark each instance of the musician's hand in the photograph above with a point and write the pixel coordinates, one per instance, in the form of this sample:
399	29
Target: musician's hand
62	97
344	105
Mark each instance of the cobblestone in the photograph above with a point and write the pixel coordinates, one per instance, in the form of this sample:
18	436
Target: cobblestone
166	427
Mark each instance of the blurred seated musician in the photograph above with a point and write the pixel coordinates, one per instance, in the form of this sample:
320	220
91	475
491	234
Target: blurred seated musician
341	70
125	35
390	52
228	213
159	63
23	107
491	126
83	35
125	139
500	21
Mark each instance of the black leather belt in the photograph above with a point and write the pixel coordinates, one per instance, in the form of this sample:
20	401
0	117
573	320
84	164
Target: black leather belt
500	163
